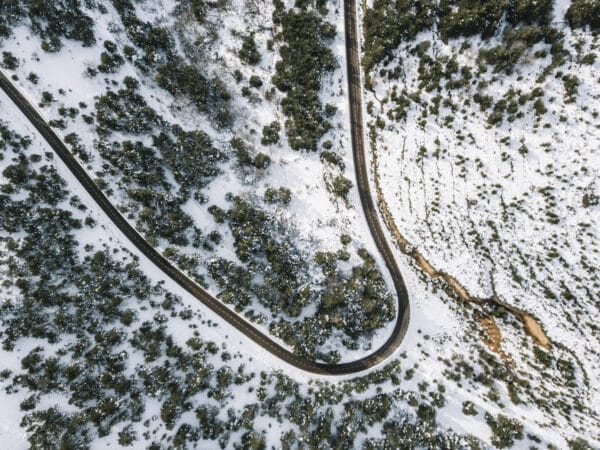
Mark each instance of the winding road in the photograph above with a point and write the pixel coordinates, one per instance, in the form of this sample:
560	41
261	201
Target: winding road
227	314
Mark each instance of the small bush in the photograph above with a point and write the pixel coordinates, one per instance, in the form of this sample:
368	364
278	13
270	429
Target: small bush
270	133
341	186
282	195
255	81
249	52
9	61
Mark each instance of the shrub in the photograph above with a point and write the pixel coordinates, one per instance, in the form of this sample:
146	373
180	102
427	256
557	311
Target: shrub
282	195
588	59
504	430
249	52
270	133
110	60
584	13
33	78
539	107
261	161
255	81
332	158
571	83
9	61
468	408
341	186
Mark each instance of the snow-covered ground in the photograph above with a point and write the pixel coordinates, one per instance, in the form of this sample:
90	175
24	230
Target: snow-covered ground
507	209
471	204
316	217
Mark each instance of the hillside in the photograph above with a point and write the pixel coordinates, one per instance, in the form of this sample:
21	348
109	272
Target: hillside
221	131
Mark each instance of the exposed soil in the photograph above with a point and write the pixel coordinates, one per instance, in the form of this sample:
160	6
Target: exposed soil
493	339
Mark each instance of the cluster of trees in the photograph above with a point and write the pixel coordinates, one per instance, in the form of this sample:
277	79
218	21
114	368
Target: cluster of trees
140	169
52	21
281	195
155	42
125	110
305	59
249	52
355	303
9	61
460	18
171	71
525	24
276	274
182	79
504	57
262	247
504	430
270	133
85	308
160	216
510	104
584	13
191	157
94	312
389	22
243	153
110	59
10	13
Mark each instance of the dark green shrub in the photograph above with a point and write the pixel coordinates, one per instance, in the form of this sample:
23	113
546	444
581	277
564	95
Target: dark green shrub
584	13
504	430
9	61
571	83
249	52
341	186
270	133
110	60
261	161
332	158
255	81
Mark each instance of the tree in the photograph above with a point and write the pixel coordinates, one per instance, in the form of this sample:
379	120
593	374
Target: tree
504	430
249	52
270	133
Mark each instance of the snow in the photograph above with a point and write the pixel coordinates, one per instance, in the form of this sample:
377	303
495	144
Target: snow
314	215
439	328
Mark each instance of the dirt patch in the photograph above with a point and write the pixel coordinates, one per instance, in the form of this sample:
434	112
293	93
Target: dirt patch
534	329
493	339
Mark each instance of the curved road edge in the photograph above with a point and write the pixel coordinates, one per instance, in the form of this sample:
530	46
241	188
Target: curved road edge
362	177
202	295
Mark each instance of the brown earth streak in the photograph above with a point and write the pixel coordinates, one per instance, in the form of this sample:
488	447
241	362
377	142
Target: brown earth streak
493	339
530	324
